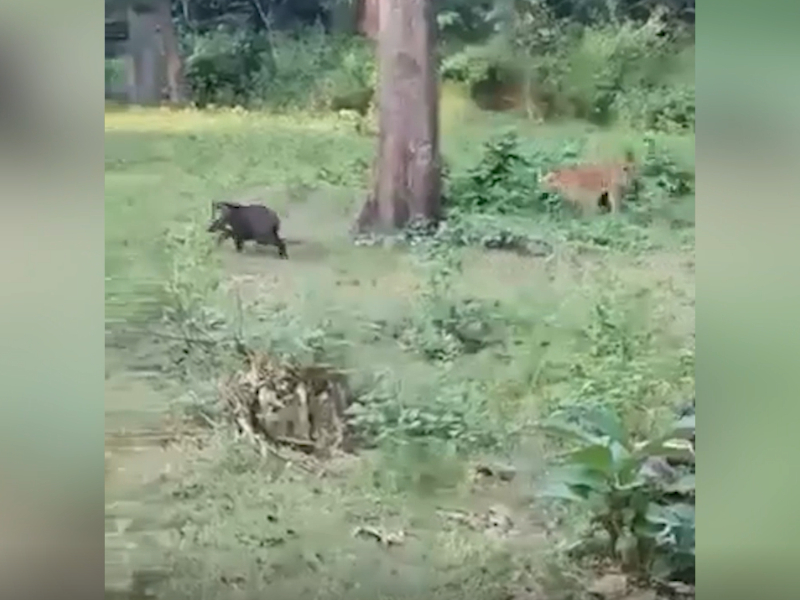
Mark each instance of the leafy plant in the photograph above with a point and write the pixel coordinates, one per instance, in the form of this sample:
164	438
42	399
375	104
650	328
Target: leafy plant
616	480
504	181
444	325
456	412
661	171
669	108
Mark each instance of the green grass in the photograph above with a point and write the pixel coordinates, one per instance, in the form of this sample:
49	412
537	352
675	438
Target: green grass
226	524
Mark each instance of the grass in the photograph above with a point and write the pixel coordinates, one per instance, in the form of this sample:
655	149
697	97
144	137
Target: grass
592	323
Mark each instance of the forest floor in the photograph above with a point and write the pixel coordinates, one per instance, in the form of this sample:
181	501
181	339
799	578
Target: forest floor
191	513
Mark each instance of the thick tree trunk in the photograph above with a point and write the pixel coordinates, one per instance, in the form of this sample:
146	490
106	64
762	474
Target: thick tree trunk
407	181
368	18
176	83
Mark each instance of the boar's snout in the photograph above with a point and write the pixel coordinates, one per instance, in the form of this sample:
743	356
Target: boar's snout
217	224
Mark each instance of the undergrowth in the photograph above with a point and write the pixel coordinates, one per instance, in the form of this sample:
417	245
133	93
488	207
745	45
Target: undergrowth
454	371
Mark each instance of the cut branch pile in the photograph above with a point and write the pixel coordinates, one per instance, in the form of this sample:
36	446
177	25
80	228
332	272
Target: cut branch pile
274	401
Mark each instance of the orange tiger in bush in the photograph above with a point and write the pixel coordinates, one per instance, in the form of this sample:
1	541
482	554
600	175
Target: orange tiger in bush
595	186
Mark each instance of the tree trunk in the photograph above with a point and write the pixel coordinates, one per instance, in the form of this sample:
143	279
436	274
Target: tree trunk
407	177
176	83
368	18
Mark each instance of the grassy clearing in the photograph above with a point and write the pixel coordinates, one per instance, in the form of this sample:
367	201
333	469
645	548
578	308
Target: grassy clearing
596	322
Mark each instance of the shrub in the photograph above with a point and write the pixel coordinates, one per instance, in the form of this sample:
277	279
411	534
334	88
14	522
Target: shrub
451	412
607	60
668	108
644	506
444	325
505	180
222	66
307	68
661	171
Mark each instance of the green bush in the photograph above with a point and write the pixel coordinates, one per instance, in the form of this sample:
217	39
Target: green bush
223	66
661	171
452	412
642	504
304	69
609	59
506	180
602	72
667	108
444	325
114	74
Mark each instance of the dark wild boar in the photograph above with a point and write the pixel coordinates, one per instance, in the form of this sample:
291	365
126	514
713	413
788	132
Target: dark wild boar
247	222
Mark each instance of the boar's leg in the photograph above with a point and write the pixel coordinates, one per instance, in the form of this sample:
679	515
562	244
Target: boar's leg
280	244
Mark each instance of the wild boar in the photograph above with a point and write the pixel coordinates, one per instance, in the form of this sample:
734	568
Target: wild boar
247	222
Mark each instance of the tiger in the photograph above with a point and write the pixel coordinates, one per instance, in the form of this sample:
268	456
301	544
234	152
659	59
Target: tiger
593	186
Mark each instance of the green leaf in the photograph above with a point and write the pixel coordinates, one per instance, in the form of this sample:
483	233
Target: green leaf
620	455
668	447
578	475
685	427
608	423
559	426
684	485
672	515
597	457
558	490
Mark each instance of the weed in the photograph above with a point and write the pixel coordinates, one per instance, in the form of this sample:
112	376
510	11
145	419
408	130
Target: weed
504	181
477	362
664	173
621	362
444	325
452	412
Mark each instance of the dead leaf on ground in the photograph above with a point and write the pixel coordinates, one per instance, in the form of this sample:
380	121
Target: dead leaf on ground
393	538
611	586
276	402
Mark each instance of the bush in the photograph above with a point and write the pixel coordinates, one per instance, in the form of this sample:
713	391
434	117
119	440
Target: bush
643	505
223	65
444	325
451	412
505	180
667	108
306	69
661	171
600	72
608	60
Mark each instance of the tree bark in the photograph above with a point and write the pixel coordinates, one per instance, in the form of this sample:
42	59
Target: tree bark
407	177
176	83
368	18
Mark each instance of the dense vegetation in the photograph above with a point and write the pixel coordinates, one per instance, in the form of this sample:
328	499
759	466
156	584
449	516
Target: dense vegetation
597	60
514	329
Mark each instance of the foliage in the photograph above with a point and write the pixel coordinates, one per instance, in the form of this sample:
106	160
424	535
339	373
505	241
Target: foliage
504	181
665	107
444	325
621	361
612	66
456	412
222	66
597	61
619	482
663	173
114	74
279	70
189	322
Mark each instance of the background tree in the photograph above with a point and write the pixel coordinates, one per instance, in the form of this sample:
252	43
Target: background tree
176	84
407	178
